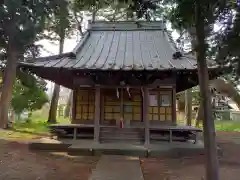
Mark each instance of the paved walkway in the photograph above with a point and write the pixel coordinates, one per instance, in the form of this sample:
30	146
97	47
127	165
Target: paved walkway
111	167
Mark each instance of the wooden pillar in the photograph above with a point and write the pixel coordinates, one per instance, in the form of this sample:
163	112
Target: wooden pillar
174	110
97	115
74	102
145	114
188	106
121	108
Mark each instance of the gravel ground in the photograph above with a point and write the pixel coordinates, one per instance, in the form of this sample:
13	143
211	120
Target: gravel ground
18	163
192	168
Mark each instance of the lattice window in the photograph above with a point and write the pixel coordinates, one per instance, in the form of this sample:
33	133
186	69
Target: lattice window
111	101
85	105
160	105
132	104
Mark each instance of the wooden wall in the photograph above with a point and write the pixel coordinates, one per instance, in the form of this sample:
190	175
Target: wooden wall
160	104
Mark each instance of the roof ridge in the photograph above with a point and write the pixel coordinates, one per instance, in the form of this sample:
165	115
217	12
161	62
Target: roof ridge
79	45
126	25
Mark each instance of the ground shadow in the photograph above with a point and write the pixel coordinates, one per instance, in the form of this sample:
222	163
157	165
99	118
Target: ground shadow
18	162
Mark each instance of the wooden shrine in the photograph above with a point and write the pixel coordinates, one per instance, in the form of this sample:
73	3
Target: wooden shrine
125	76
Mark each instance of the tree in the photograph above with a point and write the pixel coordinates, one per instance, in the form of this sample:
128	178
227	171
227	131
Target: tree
202	16
21	24
212	169
69	105
222	44
198	17
60	25
30	97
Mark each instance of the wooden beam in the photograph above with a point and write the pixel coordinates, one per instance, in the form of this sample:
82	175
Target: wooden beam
79	81
145	114
74	102
97	114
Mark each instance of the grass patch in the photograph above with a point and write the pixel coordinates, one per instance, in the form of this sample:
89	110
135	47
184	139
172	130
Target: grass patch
13	135
34	127
227	125
220	125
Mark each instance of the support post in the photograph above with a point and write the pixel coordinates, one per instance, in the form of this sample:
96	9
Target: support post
74	100
75	133
188	106
145	114
170	135
174	109
121	120
97	115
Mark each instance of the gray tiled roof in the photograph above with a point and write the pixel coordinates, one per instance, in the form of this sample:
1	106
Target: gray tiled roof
122	45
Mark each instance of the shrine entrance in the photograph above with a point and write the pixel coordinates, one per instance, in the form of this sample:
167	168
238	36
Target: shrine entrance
121	104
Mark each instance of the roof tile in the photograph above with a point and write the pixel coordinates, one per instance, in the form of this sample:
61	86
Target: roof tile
125	46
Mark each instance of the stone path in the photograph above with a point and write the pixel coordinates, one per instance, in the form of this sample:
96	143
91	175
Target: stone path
114	167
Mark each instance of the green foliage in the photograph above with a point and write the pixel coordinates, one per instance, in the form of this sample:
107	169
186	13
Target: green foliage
222	45
30	97
140	8
61	22
23	21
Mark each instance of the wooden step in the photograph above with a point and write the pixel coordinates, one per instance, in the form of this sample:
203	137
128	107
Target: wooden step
125	135
137	142
121	133
121	137
124	138
118	129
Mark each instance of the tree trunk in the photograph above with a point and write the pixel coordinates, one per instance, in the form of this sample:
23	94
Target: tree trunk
188	106
8	81
52	117
69	105
94	14
212	164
